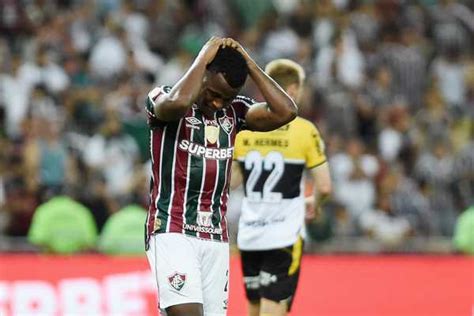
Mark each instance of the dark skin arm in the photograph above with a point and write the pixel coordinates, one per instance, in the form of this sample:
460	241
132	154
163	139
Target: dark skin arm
279	108
174	105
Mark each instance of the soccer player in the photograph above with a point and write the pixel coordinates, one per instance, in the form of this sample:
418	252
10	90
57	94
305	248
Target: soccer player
193	127
273	209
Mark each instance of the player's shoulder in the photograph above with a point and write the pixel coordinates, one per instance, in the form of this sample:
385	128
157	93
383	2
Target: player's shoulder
303	125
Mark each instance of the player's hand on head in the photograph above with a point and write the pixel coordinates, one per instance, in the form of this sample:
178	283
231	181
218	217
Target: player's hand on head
209	50
230	42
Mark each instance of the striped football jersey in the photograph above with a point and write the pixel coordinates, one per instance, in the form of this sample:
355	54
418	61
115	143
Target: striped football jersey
191	164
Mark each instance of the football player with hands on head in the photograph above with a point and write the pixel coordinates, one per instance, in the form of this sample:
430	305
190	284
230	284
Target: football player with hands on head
193	126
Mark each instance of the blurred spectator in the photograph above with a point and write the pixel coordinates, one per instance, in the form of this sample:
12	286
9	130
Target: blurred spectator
82	27
433	120
324	24
114	154
450	19
464	232
62	225
172	70
353	172
407	201
280	40
123	232
342	61
366	117
383	225
3	160
342	223
14	96
97	200
335	221
134	22
47	160
401	53
398	140
379	88
435	170
15	22
20	198
464	174
250	12
44	70
449	71
109	55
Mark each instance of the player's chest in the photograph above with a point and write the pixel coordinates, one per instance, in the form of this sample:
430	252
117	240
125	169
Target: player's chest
217	131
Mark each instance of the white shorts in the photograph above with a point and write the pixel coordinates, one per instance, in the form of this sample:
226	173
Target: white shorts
190	270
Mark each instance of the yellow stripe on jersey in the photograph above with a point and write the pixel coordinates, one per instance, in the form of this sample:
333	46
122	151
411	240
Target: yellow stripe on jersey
296	256
299	142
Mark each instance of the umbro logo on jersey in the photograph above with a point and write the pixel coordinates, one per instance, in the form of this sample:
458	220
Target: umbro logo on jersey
177	280
192	122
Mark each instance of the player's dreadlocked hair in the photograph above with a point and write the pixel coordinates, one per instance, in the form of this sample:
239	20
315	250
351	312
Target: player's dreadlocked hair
231	64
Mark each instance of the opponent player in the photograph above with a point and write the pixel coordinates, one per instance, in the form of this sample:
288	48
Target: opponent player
193	127
273	209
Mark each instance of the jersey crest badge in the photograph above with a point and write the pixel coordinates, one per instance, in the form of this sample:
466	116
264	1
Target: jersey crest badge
177	280
227	123
212	134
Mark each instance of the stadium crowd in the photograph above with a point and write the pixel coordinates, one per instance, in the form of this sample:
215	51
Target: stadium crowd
390	86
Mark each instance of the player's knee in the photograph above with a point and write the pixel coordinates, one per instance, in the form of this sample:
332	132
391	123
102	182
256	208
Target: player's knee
272	308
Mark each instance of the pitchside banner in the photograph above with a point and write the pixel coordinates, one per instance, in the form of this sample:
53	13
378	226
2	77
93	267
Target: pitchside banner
33	285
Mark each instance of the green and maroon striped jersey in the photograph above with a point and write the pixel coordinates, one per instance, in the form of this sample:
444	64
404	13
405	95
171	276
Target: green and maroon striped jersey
191	165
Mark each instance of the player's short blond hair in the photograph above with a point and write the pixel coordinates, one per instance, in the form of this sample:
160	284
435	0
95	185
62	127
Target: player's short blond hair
285	72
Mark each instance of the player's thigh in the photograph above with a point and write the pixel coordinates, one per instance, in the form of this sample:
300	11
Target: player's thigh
215	277
280	273
251	262
175	264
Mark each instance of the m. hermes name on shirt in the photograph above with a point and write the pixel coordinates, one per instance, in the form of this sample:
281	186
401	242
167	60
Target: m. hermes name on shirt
204	152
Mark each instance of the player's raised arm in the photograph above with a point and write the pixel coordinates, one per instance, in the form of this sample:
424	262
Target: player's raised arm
173	105
279	108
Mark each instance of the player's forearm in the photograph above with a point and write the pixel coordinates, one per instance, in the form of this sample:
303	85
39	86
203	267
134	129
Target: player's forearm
184	93
322	184
282	108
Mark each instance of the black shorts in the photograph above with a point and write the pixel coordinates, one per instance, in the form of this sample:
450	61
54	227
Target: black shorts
272	274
